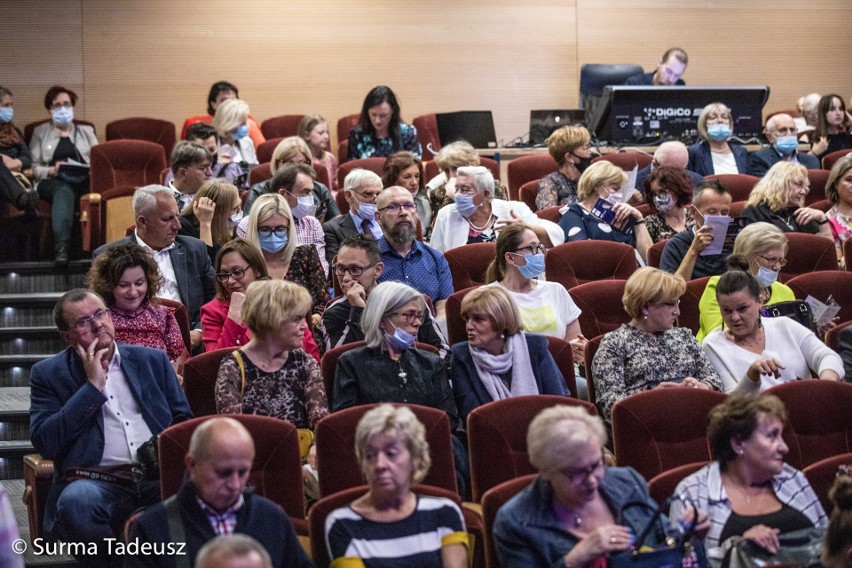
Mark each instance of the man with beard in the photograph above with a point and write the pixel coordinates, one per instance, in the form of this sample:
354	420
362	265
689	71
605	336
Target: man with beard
405	259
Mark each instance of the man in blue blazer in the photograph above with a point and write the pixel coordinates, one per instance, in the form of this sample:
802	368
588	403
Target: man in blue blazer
183	261
92	406
783	136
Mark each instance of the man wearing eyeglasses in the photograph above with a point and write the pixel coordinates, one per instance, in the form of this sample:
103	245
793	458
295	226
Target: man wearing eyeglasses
406	259
783	136
357	268
92	406
360	188
191	166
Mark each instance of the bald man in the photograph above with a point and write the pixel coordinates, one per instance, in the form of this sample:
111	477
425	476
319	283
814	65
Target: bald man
233	551
214	501
672	154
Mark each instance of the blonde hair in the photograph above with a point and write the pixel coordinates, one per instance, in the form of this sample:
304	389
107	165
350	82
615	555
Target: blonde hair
286	149
705	113
558	431
497	305
774	188
650	285
398	422
269	302
456	155
223	195
567	139
599	173
308	123
262	209
839	170
230	114
757	238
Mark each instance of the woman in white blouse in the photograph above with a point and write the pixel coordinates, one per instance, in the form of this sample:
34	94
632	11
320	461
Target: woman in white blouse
752	353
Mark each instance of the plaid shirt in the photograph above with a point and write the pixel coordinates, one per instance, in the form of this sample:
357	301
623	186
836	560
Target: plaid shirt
309	232
224	522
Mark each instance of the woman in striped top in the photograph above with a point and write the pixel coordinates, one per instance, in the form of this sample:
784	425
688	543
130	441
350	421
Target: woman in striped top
390	525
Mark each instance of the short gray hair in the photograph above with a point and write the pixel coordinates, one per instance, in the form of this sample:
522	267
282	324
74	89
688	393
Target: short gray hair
230	546
359	177
771	124
385	299
482	178
400	422
556	432
145	198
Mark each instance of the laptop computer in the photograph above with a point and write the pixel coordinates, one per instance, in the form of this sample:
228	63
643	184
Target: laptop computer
474	126
544	122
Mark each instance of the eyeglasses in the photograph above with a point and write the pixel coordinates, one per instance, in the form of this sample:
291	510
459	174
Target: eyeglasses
279	231
354	270
536	248
236	274
780	261
84	324
67	104
578	475
398	207
366	197
411	317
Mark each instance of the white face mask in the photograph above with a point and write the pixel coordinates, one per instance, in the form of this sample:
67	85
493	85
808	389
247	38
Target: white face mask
305	207
235	218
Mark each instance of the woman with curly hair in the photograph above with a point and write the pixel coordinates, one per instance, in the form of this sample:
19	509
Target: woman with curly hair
128	278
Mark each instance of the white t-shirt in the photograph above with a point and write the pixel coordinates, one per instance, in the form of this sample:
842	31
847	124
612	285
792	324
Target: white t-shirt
547	309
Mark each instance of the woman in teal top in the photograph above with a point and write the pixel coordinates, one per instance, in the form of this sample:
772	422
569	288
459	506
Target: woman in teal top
761	250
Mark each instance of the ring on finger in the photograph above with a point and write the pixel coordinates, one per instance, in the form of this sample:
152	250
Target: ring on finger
613	540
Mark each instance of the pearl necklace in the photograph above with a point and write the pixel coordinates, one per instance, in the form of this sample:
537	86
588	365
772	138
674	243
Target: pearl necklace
483	227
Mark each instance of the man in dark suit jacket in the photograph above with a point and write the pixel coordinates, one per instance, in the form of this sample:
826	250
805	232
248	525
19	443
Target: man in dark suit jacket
92	406
782	133
361	187
187	271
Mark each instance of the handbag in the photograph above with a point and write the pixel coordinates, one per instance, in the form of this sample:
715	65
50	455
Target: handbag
678	551
796	310
148	454
797	548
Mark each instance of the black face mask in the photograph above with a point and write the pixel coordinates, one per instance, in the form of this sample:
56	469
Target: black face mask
584	162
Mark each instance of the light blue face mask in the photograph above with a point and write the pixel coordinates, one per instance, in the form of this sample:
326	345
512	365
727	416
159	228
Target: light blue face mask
273	243
62	116
534	266
786	144
400	340
367	211
719	132
241	132
465	205
6	114
305	207
766	276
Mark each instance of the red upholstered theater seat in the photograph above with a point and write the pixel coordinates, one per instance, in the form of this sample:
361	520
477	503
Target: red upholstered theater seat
821	476
601	305
825	283
808	253
528	168
281	126
265	150
469	263
160	132
738	185
373	164
627	160
581	262
493	499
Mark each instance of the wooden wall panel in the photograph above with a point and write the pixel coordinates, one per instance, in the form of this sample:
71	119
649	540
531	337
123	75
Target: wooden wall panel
159	57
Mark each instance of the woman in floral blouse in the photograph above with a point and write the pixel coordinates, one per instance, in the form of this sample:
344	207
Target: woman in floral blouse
650	352
380	131
128	278
272	375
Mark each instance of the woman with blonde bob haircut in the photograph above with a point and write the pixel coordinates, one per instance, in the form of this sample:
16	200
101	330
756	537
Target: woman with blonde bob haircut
603	180
568	515
714	154
230	121
294	150
499	360
272	229
378	527
779	199
569	146
272	375
760	249
650	352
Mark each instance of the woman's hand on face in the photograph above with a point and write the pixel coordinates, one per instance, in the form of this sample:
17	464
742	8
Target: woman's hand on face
761	367
203	210
764	537
805	215
235	309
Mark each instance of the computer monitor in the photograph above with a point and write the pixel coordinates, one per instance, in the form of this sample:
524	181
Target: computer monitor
645	115
544	122
474	126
